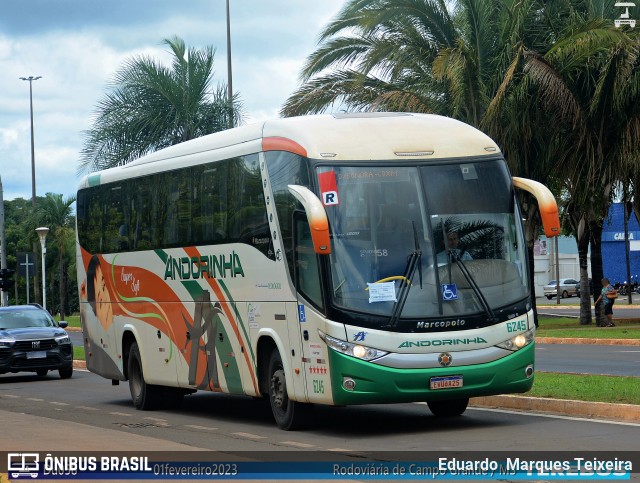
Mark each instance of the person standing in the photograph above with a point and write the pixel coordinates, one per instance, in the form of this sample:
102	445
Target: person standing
608	295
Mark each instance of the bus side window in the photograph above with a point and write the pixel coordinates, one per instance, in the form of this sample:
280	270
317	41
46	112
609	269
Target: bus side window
306	262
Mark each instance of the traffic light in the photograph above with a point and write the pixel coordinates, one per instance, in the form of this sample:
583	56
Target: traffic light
6	282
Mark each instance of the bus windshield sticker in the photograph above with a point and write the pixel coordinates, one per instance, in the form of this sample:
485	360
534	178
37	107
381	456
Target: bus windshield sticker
449	292
328	188
382	292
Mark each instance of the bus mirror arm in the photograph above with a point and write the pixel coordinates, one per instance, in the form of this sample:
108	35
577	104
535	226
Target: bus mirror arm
546	204
316	217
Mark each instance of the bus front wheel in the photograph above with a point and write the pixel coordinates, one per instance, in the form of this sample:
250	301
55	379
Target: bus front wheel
448	409
289	415
143	395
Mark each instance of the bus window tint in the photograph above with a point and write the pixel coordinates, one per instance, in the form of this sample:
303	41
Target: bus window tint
248	221
285	169
218	202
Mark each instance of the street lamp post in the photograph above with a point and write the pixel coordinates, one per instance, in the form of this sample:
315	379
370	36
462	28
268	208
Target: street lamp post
33	156
229	78
42	233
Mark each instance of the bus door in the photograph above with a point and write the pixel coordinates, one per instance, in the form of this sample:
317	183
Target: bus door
309	294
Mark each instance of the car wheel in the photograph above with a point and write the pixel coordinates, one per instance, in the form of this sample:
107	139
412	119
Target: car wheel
549	297
448	409
289	415
565	294
65	372
144	396
42	372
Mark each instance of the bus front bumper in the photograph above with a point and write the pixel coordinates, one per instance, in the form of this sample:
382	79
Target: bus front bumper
375	384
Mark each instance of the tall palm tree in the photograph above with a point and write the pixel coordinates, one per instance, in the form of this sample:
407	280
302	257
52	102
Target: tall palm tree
57	215
151	106
588	86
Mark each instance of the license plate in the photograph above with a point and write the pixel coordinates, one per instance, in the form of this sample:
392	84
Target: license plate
37	355
445	382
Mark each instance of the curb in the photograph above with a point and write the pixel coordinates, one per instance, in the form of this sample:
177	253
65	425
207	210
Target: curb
591	340
625	412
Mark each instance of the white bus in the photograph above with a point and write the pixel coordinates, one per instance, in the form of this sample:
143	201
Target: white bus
332	259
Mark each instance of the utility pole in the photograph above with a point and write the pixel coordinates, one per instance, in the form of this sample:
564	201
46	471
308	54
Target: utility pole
30	79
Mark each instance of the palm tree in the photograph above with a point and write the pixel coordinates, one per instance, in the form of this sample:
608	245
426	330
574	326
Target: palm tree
151	106
589	88
57	215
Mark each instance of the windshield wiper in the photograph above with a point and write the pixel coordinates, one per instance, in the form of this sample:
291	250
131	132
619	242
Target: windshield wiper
472	282
414	260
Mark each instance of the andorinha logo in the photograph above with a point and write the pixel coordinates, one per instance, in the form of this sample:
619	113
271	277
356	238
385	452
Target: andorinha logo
210	266
441	342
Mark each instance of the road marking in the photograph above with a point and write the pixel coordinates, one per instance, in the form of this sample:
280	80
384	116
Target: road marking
341	450
158	420
55	403
11	396
120	414
88	408
249	435
34	399
206	428
555	416
296	444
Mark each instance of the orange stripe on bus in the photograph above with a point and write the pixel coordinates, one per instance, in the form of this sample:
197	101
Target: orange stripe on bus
213	283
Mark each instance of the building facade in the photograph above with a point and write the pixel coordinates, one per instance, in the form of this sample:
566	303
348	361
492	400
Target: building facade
613	246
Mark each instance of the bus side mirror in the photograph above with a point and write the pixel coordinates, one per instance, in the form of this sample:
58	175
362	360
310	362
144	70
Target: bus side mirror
546	204
316	217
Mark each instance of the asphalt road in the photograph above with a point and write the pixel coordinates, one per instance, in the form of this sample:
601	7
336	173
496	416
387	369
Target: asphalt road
589	359
87	413
570	307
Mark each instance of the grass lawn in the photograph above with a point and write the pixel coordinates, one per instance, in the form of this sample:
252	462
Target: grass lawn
586	387
570	327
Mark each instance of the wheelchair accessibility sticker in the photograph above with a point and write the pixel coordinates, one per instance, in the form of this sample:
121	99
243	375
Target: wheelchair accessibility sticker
449	292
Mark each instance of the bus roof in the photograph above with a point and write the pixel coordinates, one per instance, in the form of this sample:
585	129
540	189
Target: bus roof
347	136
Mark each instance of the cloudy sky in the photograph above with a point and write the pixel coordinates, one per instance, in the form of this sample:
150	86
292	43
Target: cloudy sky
77	46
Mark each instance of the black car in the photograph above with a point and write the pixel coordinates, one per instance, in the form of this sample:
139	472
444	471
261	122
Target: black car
32	341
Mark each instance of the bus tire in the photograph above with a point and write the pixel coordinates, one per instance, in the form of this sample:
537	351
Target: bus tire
144	396
289	415
448	409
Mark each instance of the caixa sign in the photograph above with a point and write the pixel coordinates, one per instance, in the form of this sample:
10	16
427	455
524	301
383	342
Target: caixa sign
619	236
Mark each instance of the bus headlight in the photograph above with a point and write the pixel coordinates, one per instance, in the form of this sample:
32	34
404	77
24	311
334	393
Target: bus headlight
519	341
354	350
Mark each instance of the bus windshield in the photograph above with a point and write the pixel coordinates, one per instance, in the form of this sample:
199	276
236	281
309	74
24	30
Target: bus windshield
450	232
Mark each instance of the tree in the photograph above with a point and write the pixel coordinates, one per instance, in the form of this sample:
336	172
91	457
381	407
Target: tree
57	215
588	86
151	106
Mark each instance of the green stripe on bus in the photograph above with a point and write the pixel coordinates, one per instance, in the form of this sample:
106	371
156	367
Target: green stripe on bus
223	347
240	321
93	180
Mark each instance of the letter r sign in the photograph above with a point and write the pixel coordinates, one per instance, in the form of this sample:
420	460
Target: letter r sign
330	198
